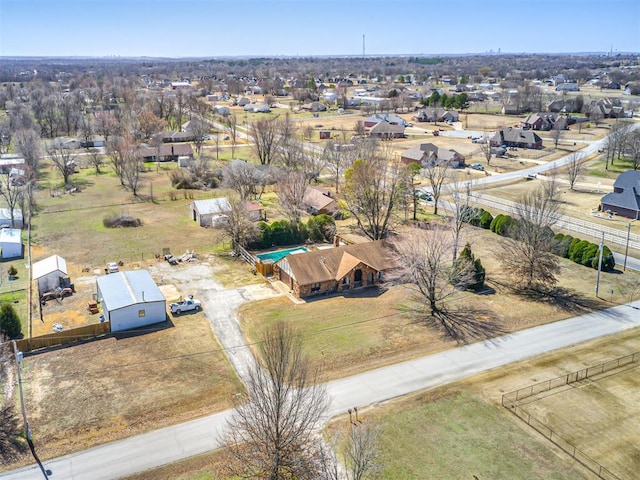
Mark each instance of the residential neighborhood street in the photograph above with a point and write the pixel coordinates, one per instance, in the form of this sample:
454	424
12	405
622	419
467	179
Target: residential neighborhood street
142	452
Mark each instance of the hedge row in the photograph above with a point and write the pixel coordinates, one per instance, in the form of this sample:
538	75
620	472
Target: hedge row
284	233
579	251
583	252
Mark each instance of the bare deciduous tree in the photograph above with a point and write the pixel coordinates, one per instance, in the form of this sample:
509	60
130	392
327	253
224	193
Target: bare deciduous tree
291	188
231	127
96	159
527	254
436	174
29	144
371	193
12	192
238	226
575	168
241	177
556	133
485	147
334	156
63	160
266	136
361	452
424	264
272	433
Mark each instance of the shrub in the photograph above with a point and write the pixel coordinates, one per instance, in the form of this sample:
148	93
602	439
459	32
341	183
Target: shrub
9	321
590	255
577	249
121	220
608	262
12	271
280	233
321	227
485	220
465	261
560	244
501	225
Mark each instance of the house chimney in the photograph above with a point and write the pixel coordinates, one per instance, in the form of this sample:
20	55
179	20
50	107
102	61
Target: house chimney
336	241
143	295
172	154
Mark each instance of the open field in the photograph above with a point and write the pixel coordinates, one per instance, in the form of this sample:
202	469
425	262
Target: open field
460	430
599	416
120	385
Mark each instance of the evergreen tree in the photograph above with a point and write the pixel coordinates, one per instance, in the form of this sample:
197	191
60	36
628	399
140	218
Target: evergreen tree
9	321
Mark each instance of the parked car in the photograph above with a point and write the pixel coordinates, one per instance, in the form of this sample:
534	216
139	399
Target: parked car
112	267
426	196
477	166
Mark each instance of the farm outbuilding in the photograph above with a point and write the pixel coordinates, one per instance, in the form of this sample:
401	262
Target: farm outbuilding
11	242
5	218
48	272
208	212
131	299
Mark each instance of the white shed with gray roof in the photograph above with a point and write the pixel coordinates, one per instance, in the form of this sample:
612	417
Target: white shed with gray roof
11	242
48	272
131	299
208	212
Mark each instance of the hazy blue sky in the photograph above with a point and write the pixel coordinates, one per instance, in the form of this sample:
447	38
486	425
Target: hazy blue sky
186	28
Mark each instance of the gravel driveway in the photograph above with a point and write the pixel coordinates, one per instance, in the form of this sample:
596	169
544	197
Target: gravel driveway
220	305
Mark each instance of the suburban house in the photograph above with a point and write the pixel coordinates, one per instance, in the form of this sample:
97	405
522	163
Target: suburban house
314	107
606	108
539	121
319	200
11	242
170	136
208	212
334	269
48	272
390	118
131	299
428	154
5	218
510	109
436	115
386	130
625	198
166	153
515	137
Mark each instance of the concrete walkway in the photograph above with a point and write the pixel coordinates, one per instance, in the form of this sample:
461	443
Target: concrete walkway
167	445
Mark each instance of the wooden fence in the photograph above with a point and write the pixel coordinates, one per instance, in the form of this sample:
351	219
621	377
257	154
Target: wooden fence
64	337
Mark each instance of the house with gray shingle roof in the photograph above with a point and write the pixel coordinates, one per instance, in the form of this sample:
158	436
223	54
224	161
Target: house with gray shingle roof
516	137
429	154
625	198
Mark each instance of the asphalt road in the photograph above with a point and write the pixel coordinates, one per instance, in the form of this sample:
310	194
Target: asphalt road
167	445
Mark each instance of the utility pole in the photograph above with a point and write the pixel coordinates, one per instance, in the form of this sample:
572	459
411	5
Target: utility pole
18	357
626	249
601	248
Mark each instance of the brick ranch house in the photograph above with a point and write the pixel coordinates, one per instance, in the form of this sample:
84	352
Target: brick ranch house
337	269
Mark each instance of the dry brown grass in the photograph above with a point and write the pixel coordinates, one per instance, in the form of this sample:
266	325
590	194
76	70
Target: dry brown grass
122	385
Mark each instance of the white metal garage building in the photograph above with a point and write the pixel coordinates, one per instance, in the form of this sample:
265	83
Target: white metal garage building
131	299
11	242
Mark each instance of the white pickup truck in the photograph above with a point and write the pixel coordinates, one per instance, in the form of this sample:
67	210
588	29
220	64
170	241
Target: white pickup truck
186	305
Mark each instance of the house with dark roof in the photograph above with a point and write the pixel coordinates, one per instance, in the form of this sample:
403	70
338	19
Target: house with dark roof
436	115
625	198
428	154
166	153
336	269
516	137
386	130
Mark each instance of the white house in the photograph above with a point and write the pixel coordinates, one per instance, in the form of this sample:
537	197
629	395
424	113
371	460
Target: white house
48	272
11	242
5	218
208	212
131	299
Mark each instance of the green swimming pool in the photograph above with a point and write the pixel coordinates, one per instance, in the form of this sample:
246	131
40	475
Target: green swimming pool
280	254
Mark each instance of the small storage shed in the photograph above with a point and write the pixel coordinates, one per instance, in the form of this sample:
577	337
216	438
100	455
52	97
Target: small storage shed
10	242
206	212
48	272
131	299
5	218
